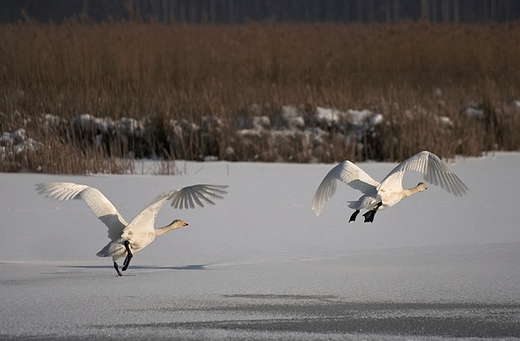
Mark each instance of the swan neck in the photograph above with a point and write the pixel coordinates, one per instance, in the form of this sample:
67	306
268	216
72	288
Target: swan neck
164	229
411	191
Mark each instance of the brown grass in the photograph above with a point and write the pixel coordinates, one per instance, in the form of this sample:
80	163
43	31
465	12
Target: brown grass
411	73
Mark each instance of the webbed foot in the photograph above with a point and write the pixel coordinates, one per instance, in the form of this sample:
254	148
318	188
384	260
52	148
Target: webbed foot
353	216
369	216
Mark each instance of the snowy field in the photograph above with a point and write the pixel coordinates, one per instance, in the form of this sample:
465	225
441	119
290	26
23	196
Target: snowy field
260	265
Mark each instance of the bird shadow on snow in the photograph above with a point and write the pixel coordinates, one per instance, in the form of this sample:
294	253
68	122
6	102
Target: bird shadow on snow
146	267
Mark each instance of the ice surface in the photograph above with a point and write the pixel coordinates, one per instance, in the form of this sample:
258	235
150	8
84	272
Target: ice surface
260	265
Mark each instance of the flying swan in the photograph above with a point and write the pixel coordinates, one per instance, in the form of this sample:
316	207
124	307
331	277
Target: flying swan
378	196
126	239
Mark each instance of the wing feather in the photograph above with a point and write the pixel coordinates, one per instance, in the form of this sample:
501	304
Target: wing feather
145	220
98	203
346	172
186	197
196	195
434	170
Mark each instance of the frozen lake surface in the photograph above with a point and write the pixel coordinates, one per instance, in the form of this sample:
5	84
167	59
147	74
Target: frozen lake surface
260	265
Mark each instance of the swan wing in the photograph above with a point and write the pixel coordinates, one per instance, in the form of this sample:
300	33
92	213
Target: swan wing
186	197
434	170
143	223
196	195
98	203
346	172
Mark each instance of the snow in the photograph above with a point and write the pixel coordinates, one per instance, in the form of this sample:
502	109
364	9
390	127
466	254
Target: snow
260	265
17	142
259	134
359	118
473	110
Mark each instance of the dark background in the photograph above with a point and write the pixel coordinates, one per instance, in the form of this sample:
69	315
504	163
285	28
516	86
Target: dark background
241	11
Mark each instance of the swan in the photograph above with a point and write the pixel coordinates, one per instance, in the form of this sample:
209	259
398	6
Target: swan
125	238
378	196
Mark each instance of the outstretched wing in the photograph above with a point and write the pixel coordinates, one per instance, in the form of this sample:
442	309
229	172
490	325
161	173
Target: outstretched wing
196	195
186	197
346	172
434	170
98	203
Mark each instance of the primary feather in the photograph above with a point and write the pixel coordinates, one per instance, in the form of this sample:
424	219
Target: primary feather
98	203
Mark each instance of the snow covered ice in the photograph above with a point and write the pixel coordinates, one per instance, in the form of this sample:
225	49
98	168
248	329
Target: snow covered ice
260	265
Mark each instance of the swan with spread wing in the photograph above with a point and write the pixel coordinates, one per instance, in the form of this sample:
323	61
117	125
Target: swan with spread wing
128	238
378	196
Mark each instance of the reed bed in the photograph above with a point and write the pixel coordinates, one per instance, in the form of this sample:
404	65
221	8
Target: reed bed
190	90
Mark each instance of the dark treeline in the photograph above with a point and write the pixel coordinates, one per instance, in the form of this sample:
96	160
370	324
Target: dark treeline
240	11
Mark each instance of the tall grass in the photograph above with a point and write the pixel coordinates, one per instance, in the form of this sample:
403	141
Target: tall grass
408	72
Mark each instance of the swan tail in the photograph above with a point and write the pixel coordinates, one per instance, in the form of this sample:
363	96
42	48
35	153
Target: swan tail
114	248
353	204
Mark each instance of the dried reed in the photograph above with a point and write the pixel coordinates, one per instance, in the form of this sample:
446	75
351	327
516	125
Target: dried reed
411	73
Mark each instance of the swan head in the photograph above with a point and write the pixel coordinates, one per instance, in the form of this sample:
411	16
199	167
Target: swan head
421	186
177	223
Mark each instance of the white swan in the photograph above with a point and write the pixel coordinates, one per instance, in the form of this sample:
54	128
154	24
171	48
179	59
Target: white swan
390	191
126	239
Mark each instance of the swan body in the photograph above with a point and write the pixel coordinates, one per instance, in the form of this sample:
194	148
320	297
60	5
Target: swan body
128	238
116	248
378	196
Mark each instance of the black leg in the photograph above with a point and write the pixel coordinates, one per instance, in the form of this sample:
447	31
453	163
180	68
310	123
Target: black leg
369	216
129	256
117	269
353	216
